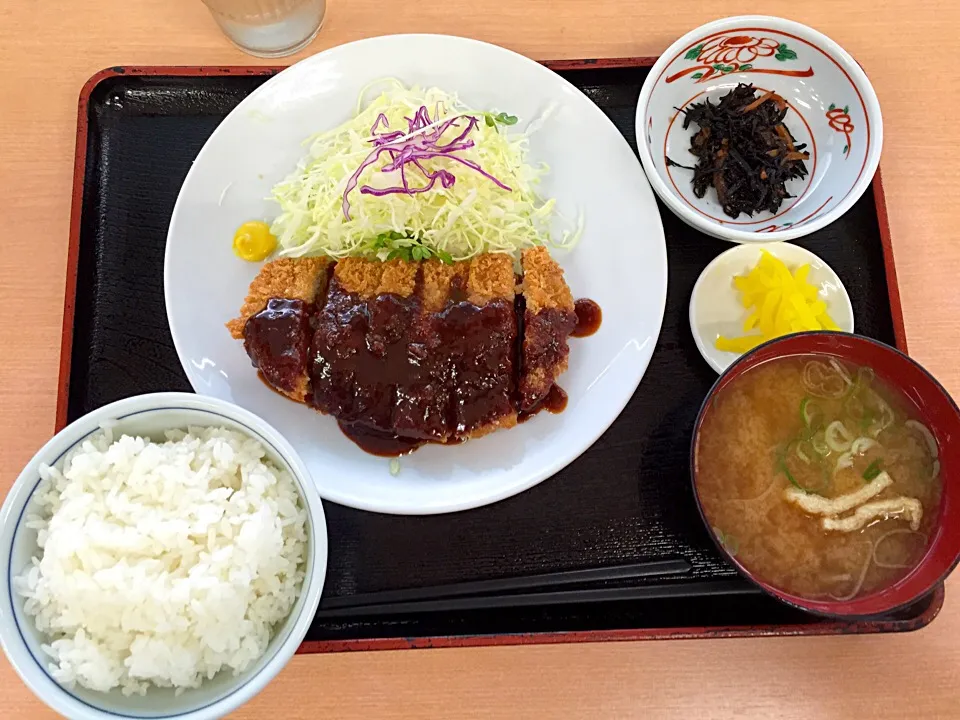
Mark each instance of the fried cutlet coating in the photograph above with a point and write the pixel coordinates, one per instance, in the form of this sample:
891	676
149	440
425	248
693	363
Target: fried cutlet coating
491	278
536	383
369	278
300	391
359	276
543	283
481	280
399	278
504	422
549	320
486	278
437	280
290	278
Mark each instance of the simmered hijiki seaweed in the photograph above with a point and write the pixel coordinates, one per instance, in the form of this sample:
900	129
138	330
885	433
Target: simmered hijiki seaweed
744	151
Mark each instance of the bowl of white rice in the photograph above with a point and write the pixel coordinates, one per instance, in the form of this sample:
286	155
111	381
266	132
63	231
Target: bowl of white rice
163	557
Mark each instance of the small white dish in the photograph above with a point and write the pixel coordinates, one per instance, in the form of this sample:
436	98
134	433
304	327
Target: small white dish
620	263
832	107
150	415
715	307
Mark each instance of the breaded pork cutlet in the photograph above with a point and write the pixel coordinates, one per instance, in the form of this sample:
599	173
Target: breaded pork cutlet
470	330
402	353
274	321
423	351
549	318
484	399
360	339
288	278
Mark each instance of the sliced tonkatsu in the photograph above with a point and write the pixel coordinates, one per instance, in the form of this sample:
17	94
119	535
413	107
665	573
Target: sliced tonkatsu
548	320
274	321
478	335
423	351
403	353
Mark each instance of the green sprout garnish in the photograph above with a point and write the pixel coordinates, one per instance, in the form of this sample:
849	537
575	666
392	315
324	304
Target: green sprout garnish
393	245
502	118
873	470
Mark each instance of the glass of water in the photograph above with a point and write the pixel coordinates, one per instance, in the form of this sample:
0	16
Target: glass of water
269	28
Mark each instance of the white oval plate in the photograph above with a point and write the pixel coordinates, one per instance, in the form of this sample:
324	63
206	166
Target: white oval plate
620	263
715	307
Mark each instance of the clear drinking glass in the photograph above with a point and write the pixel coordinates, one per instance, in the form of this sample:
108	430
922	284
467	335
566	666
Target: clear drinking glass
269	28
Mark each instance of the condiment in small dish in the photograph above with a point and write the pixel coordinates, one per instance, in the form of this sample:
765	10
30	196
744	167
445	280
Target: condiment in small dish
716	309
810	104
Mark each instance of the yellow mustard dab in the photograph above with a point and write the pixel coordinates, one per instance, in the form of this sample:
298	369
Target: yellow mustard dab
780	302
253	241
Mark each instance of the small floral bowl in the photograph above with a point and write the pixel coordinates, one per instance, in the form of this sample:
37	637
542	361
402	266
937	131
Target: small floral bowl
831	107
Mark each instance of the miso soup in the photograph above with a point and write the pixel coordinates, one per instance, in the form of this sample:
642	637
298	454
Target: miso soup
818	477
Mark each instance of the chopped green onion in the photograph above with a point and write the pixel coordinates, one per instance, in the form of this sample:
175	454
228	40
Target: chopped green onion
841	372
808	452
886	416
864	378
927	436
819	445
394	466
854	406
837	437
873	470
810	414
781	466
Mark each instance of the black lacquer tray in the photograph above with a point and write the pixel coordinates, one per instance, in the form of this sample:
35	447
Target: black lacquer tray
627	499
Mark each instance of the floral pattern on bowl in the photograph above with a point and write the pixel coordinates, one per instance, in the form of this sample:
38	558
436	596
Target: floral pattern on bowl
737	54
831	107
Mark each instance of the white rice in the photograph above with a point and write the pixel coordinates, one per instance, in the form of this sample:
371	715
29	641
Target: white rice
162	563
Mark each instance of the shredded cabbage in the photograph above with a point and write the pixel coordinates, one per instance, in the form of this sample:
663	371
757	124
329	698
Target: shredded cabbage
497	210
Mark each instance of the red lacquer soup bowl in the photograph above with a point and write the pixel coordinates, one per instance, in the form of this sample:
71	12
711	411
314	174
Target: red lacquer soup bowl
936	410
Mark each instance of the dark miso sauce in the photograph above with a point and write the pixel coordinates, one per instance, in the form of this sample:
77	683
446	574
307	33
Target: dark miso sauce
277	341
589	317
555	402
397	376
377	442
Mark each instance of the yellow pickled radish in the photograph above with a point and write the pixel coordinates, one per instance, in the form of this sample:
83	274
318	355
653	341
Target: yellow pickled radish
827	322
739	345
253	241
779	302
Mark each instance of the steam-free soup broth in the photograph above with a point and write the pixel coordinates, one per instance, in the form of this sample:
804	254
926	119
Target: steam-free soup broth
818	477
